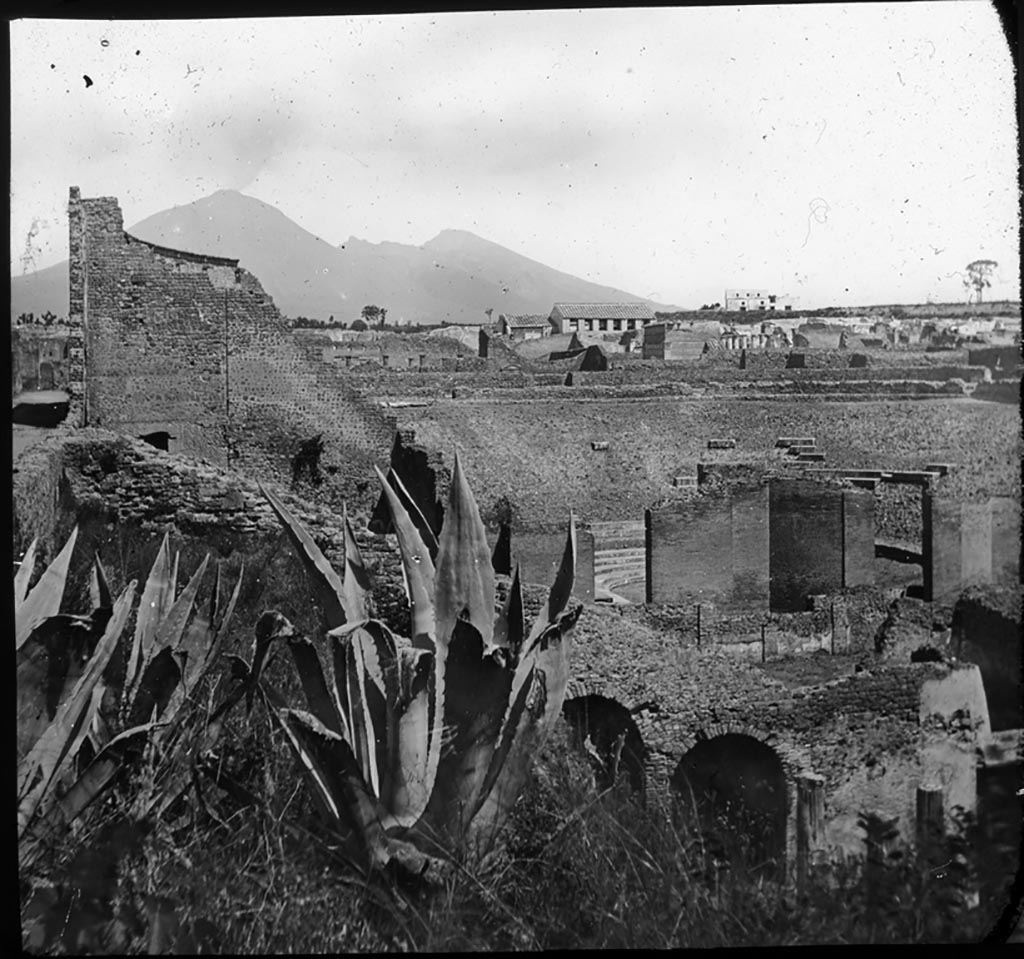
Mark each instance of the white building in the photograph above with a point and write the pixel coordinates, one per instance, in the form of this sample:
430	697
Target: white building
746	299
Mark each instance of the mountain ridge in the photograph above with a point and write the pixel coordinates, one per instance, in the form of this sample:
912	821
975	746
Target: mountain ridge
454	276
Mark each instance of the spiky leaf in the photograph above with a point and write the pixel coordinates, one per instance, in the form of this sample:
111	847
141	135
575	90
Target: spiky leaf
337	781
418	568
326	582
45	759
99	591
561	589
357	589
510	628
44	599
412	765
427	534
24	575
464	581
157	599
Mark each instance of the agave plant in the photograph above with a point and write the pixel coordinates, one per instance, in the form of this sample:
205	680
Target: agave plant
418	747
84	713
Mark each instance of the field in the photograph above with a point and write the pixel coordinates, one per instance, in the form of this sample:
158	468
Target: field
538	451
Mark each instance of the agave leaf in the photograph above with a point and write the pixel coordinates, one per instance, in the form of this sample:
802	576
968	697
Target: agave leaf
357	590
44	599
160	677
510	629
367	705
221	624
48	665
520	737
326	583
321	702
99	591
170	629
561	589
337	782
417	566
427	534
24	575
411	773
157	598
464	581
87	788
476	696
41	797
49	753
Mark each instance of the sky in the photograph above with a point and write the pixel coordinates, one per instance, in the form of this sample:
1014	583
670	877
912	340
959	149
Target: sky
841	154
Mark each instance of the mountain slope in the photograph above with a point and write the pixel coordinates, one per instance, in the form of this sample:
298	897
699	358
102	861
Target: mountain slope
455	276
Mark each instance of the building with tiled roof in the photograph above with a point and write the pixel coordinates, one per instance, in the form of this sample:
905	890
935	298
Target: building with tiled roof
600	317
523	327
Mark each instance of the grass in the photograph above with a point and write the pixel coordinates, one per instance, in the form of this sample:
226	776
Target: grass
251	871
247	867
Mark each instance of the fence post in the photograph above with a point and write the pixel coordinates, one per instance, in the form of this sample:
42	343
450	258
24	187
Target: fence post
810	823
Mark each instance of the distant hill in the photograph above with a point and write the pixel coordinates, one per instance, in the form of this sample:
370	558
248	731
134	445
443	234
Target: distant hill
455	276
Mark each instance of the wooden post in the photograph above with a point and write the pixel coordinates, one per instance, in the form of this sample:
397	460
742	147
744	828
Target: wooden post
810	823
698	625
764	657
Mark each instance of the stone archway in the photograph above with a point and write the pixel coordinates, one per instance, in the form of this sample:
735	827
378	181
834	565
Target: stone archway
733	788
609	734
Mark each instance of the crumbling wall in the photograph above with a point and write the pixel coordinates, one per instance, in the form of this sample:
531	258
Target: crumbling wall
193	346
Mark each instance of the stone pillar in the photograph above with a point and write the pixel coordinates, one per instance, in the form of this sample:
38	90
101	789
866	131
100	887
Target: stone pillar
810	823
930	822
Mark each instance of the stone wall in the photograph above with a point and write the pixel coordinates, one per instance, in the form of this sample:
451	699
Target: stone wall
969	543
711	549
193	346
821	540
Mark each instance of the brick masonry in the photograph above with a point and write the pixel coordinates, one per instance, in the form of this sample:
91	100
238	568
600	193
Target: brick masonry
193	346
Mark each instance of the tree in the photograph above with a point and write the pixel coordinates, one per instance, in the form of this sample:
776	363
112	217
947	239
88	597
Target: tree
978	274
371	314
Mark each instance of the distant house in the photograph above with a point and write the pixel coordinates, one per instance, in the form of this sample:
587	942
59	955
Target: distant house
747	299
600	317
517	327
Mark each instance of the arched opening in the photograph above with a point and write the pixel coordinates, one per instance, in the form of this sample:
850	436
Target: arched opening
160	439
733	788
46	379
606	731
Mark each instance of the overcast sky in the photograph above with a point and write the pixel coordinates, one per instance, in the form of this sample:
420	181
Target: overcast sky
842	154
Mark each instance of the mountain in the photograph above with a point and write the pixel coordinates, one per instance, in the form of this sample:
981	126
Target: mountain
456	276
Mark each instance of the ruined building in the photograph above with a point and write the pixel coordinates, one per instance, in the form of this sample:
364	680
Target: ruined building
189	352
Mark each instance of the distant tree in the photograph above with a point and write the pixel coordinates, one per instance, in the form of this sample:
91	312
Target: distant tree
359	326
330	319
489	311
371	314
978	273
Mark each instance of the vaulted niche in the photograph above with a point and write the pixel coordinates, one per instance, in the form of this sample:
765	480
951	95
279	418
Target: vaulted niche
605	730
733	788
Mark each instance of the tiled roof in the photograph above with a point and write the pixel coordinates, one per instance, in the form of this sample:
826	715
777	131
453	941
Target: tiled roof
522	322
604	311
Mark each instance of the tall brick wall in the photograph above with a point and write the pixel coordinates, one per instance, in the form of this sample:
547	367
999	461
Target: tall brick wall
806	541
710	549
193	346
969	544
858	538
